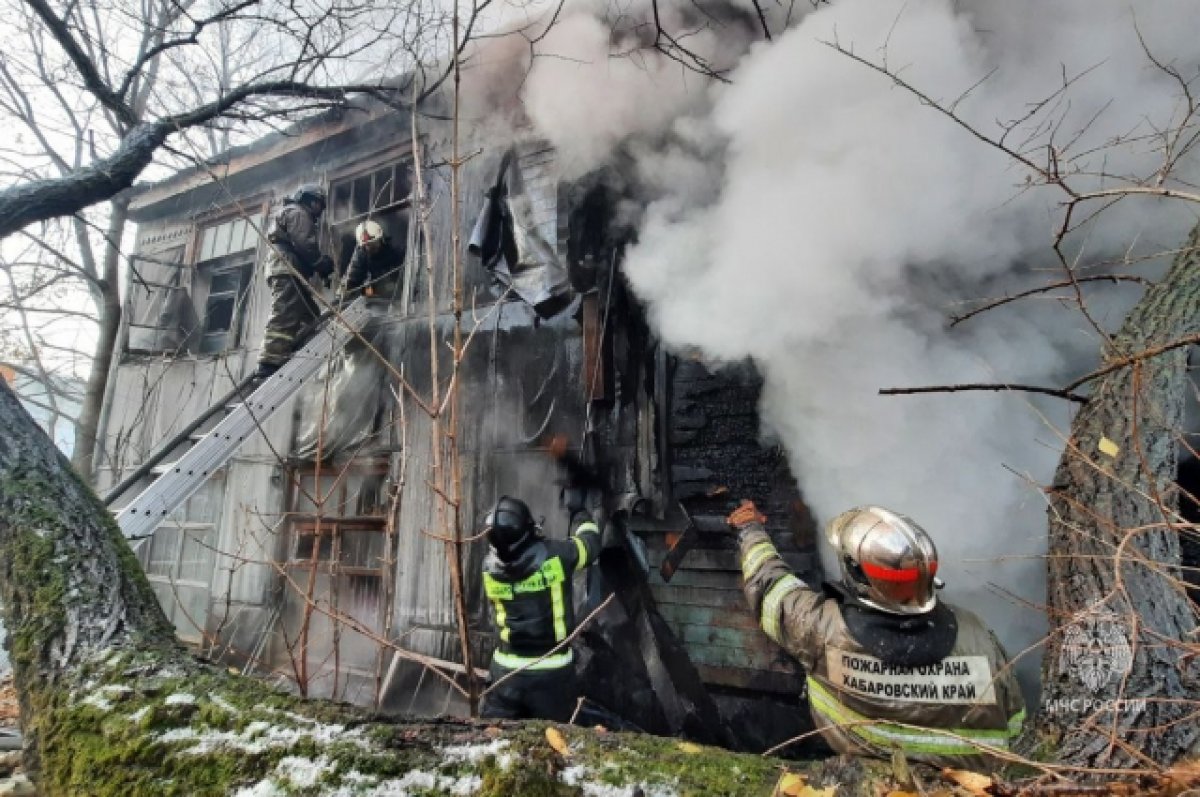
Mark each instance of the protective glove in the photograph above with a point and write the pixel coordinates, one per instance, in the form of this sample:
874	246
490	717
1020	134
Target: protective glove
573	499
744	515
324	267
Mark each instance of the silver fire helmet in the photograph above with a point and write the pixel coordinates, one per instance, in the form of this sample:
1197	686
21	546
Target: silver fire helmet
887	561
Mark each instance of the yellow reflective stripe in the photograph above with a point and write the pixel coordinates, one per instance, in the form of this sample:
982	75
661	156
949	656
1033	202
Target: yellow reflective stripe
560	611
497	590
888	735
755	557
581	546
771	612
501	618
511	661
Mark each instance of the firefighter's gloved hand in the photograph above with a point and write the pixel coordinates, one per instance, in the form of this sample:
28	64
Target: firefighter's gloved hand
744	515
573	499
324	267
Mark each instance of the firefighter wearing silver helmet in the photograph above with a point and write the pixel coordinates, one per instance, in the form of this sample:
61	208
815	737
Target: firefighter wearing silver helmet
295	259
889	666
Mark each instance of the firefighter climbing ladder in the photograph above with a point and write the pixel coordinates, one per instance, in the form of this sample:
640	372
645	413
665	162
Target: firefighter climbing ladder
144	513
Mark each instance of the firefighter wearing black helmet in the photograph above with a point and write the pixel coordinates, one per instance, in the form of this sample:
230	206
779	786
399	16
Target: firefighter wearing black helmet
294	236
527	579
889	666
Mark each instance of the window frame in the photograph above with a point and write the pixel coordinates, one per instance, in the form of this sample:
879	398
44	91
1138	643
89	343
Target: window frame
205	270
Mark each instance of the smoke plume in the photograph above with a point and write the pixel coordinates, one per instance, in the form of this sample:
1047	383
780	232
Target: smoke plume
818	219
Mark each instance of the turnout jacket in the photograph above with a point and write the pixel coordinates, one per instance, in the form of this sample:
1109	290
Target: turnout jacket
296	238
365	267
533	599
946	712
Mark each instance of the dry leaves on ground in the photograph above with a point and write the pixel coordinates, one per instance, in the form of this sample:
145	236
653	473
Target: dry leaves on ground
792	784
10	712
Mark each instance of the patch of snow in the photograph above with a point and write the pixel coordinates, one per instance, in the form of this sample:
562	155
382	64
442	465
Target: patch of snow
264	788
424	781
137	716
98	700
302	773
101	698
474	753
224	705
180	699
577	776
259	736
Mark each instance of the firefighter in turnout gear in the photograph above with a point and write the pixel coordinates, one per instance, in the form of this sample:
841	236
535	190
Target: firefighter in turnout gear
527	579
294	236
888	665
374	267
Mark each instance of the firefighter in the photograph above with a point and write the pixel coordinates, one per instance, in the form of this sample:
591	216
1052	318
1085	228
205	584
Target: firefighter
294	236
889	666
375	265
528	579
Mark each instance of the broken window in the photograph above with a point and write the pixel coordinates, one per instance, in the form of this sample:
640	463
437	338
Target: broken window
224	271
380	194
160	309
180	556
368	193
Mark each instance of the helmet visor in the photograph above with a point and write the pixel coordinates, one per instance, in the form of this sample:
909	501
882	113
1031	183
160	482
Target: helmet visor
904	589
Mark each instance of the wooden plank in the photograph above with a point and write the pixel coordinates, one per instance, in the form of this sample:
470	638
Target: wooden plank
710	635
697	596
758	680
733	617
709	559
709	579
745	658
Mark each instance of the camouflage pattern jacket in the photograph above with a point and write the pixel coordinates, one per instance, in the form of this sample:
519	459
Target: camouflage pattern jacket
948	713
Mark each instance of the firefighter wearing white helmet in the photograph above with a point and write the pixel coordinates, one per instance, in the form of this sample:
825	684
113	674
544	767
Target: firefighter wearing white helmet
375	264
889	666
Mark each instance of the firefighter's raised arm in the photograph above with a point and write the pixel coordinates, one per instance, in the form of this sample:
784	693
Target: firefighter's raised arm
786	608
585	534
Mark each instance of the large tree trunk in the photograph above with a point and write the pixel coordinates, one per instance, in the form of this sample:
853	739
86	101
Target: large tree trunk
1119	685
109	322
111	704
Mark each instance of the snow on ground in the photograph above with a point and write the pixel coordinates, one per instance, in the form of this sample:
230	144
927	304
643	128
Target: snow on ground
102	698
260	736
578	776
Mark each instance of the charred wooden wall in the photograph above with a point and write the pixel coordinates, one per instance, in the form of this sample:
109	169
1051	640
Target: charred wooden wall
666	430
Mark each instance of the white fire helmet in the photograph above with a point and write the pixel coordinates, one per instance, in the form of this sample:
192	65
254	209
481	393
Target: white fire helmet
368	234
887	561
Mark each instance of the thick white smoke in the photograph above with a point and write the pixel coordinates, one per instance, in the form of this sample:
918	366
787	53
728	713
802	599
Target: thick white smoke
816	218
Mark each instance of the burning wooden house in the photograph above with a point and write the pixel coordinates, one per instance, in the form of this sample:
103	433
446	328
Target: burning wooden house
318	552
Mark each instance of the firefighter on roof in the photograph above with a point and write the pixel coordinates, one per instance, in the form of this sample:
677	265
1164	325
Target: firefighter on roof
527	579
374	267
294	236
888	665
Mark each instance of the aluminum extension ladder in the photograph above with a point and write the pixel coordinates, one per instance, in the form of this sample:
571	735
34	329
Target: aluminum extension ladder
143	514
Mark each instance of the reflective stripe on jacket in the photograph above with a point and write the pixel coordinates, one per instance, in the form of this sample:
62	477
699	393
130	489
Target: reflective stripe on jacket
950	713
533	599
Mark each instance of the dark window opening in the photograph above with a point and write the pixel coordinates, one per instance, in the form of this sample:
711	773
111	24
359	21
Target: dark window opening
228	286
368	194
